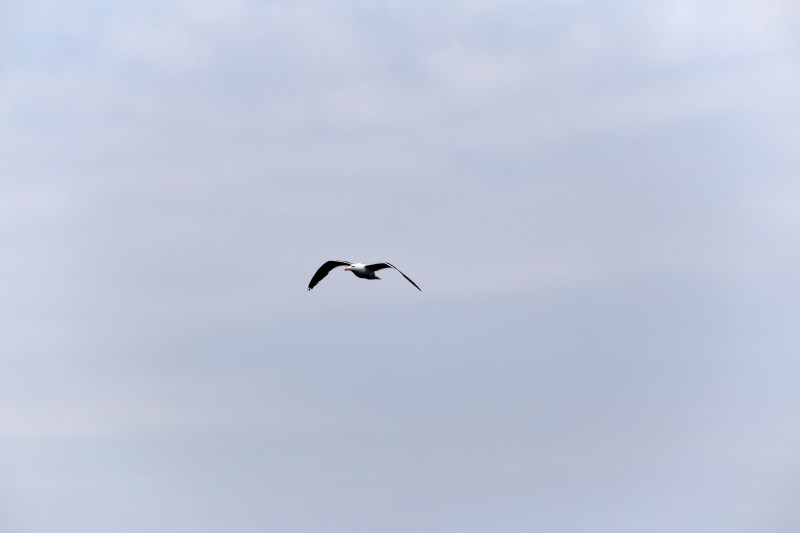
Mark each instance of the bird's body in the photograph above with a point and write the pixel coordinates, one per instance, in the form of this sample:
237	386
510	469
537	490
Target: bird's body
359	269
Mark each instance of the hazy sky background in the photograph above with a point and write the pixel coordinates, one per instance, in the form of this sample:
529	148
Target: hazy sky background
600	201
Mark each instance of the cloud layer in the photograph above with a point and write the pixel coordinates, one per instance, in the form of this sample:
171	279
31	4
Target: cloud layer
600	204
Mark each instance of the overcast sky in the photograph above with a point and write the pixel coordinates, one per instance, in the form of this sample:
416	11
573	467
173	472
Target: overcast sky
600	201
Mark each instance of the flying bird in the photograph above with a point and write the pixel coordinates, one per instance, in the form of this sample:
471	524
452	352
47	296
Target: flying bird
359	269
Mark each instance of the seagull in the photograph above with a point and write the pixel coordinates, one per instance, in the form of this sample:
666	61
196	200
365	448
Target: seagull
359	269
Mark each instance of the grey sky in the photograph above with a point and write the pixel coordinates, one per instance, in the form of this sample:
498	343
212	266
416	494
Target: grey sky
600	202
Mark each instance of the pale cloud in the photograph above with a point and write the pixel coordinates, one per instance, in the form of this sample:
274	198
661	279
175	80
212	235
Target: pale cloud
168	404
686	31
470	77
211	13
167	47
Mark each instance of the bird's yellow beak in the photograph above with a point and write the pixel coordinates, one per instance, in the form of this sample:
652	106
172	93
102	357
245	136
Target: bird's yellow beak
348	268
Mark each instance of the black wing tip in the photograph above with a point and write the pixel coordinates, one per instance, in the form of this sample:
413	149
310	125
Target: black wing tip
324	269
403	274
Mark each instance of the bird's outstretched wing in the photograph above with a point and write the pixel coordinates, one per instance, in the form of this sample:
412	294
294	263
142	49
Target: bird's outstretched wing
380	266
324	269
